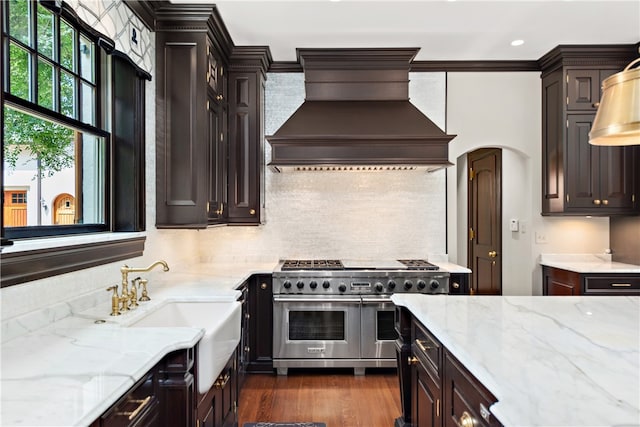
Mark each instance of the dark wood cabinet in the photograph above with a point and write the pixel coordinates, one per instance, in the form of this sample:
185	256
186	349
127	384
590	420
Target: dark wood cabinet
257	332
209	121
218	407
556	281
189	121
459	284
247	75
578	178
426	381
176	378
139	407
436	390
466	400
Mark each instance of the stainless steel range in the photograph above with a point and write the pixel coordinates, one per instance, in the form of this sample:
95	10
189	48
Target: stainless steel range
338	313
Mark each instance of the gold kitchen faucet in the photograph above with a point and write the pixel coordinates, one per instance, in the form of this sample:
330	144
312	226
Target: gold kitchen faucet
129	299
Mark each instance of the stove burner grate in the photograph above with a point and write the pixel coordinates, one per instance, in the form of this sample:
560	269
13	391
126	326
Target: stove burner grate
312	264
418	264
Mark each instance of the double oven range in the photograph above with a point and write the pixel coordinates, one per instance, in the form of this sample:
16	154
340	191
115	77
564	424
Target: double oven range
338	313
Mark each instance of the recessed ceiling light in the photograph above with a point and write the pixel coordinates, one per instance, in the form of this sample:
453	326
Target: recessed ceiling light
518	42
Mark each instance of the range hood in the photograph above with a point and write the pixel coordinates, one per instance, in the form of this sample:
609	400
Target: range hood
357	115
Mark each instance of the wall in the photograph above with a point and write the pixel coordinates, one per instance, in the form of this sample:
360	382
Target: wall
504	110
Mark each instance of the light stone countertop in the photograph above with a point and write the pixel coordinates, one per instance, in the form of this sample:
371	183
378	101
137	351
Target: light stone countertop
59	368
587	263
561	361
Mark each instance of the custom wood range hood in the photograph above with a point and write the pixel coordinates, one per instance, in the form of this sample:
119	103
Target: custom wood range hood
357	114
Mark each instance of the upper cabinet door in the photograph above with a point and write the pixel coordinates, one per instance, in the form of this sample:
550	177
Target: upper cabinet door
583	90
617	181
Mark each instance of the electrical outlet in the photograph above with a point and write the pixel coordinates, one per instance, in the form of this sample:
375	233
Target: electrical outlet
541	238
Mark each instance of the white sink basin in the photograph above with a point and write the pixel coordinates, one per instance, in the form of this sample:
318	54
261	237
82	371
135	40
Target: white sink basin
219	319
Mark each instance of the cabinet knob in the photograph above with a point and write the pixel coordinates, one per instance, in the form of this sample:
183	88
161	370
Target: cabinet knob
252	212
412	360
605	202
595	104
493	254
466	420
263	286
219	97
455	285
597	202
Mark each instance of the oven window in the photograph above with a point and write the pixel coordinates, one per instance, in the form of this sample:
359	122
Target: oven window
316	325
386	327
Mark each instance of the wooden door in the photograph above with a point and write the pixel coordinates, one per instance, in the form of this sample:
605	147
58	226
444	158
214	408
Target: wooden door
64	210
15	209
485	219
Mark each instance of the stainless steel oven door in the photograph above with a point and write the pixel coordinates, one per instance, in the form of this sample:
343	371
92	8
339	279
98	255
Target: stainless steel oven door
309	327
378	334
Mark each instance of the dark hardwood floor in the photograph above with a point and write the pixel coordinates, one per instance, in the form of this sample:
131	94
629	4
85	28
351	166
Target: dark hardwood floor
335	397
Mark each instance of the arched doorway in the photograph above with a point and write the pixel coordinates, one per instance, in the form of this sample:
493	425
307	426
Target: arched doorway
64	209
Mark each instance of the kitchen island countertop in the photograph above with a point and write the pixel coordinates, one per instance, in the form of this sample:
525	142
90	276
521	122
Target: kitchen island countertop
564	361
60	368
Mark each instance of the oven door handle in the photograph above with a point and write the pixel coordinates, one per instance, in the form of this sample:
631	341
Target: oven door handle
338	300
376	300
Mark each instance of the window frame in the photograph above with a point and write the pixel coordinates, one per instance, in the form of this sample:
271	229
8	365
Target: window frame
62	12
56	253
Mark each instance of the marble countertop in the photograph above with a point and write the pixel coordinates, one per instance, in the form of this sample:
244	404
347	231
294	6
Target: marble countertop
60	368
587	263
563	361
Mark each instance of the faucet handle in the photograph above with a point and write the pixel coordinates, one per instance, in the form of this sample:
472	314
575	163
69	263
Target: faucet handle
133	294
145	295
115	300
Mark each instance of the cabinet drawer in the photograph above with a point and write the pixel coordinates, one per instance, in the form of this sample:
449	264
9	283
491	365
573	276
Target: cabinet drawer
427	348
612	285
139	407
467	401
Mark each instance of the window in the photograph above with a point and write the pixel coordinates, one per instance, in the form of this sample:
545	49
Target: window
73	111
53	141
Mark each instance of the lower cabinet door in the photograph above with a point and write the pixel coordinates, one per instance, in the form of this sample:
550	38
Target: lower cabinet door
466	400
427	398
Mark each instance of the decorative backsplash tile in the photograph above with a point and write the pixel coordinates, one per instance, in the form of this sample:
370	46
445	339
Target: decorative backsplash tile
114	19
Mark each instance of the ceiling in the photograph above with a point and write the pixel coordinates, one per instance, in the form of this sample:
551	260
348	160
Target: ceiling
443	29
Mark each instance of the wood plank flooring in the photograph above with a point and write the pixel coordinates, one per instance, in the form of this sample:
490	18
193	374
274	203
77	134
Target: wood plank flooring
335	397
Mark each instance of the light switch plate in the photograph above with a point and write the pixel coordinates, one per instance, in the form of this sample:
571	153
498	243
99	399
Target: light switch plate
514	224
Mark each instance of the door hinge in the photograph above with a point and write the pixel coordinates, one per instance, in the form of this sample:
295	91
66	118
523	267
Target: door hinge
221	137
207	105
567	198
633	198
472	174
567	123
472	234
235	407
567	100
567	78
437	407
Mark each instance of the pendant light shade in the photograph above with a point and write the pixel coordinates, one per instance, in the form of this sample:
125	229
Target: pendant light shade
617	120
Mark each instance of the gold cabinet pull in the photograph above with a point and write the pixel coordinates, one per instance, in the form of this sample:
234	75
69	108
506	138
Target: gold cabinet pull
412	360
605	202
252	212
466	420
493	254
263	286
621	285
597	202
142	403
221	382
423	347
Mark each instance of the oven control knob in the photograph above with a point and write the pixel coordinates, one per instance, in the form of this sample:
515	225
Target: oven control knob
300	284
313	284
391	284
342	287
379	287
326	284
408	284
421	284
286	284
434	284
